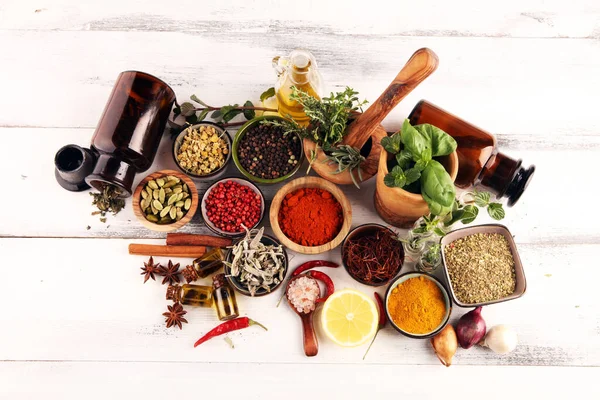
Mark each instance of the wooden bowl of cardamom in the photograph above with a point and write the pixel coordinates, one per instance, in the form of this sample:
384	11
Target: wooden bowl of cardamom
165	200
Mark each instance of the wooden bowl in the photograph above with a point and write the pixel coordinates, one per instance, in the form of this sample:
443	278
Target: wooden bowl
317	183
137	196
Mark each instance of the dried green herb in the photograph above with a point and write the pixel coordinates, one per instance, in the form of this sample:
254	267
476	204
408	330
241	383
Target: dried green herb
108	200
481	267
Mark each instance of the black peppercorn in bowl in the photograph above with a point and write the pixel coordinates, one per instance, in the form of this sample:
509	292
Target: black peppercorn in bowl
263	153
202	150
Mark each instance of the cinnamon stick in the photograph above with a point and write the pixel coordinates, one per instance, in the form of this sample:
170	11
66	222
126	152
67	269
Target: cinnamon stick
189	239
166	251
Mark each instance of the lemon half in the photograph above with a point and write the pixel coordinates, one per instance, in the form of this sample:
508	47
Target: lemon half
349	318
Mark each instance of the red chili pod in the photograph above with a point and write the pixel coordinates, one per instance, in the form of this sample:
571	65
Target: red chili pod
329	287
314	264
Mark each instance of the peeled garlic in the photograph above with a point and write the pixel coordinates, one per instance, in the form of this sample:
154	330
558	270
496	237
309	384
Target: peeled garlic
501	339
445	344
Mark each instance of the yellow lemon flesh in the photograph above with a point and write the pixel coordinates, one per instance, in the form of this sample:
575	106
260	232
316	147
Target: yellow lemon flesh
349	318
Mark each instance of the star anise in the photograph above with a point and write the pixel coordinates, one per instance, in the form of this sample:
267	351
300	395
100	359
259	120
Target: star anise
170	273
149	269
175	315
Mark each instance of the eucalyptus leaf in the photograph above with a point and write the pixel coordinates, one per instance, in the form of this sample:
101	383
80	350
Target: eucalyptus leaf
202	115
249	114
187	109
197	100
270	92
216	114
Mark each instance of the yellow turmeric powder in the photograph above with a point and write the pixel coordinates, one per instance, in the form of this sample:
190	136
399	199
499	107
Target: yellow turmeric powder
417	305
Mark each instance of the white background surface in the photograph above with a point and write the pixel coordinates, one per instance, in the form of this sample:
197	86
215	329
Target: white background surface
77	321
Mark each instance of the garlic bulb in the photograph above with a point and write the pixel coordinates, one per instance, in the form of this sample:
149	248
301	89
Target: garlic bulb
502	339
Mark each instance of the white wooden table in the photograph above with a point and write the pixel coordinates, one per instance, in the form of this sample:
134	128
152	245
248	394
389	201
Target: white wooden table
77	320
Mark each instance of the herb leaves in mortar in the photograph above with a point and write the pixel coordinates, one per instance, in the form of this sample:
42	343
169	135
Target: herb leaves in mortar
415	168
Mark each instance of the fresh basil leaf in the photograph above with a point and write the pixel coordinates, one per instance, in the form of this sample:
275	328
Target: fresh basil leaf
470	213
404	159
439	231
417	144
392	143
249	114
197	100
412	175
435	208
187	109
270	92
437	185
496	211
441	143
420	229
421	165
482	199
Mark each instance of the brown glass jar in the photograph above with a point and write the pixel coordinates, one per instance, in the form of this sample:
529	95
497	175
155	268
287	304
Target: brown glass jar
224	299
479	161
130	129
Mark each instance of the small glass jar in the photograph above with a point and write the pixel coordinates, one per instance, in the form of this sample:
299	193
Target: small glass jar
431	258
413	246
204	266
192	295
224	299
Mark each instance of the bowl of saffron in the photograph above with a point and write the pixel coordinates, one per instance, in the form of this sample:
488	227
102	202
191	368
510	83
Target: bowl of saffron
310	215
372	254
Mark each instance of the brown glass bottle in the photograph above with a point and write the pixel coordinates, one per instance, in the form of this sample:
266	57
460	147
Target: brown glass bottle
193	295
204	266
130	128
224	299
479	161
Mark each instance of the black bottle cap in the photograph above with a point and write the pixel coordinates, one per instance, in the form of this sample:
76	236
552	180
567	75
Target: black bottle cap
518	184
72	164
114	171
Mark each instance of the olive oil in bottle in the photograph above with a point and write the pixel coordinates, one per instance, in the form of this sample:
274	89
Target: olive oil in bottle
193	295
299	70
224	299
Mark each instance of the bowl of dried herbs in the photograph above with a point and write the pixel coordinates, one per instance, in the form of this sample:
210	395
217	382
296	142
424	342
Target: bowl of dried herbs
482	265
256	264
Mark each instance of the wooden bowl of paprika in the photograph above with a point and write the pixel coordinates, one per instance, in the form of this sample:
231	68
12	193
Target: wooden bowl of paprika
310	215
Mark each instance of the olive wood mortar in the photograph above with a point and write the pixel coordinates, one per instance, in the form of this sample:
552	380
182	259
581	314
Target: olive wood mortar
368	124
317	183
137	196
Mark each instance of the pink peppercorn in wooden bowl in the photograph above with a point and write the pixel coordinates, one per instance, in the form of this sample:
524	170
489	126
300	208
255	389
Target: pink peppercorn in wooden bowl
230	204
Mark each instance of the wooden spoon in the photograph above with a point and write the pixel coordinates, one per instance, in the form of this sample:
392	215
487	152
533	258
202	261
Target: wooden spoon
368	124
311	344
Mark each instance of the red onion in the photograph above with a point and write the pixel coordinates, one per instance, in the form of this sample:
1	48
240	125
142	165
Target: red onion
470	328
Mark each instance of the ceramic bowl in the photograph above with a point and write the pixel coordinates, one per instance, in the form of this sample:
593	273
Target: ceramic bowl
240	135
447	300
179	140
242	288
521	282
362	230
212	226
310	182
137	198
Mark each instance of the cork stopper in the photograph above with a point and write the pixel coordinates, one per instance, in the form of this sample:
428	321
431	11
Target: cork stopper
174	293
189	274
219	281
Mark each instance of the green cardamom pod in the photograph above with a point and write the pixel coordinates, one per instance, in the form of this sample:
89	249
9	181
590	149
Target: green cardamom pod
173	213
165	211
160	182
161	195
153	184
152	218
157	205
187	204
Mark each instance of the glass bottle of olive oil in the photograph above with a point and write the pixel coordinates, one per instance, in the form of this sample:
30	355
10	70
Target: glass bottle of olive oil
224	298
299	70
193	295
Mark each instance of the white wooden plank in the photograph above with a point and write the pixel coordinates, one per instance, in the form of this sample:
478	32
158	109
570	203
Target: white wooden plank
81	291
508	86
513	18
66	380
52	211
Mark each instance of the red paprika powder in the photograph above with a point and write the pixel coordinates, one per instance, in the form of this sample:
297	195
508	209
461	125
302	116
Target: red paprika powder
310	217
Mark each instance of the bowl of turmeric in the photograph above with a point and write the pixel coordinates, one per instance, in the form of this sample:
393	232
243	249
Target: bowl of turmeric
417	305
310	215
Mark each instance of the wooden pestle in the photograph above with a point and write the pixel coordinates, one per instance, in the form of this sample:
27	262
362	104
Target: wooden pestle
422	64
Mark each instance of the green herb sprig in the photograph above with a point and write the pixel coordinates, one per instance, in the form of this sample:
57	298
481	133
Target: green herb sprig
221	115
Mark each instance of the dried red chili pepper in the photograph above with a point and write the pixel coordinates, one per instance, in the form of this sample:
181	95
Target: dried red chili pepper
314	264
382	320
329	287
228	326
